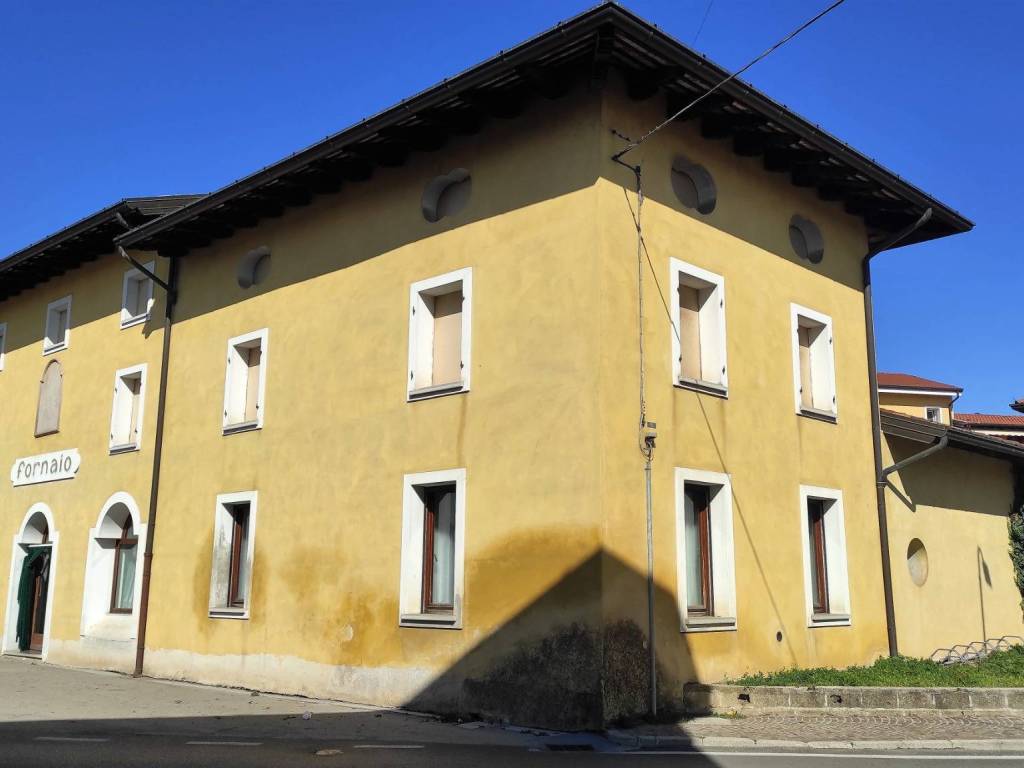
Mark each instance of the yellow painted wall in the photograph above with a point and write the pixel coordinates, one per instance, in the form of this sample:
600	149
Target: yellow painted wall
914	404
98	347
956	503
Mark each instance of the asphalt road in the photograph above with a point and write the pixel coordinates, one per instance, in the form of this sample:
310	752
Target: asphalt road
29	750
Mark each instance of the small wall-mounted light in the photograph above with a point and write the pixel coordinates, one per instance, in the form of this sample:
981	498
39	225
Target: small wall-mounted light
254	267
446	195
694	185
806	239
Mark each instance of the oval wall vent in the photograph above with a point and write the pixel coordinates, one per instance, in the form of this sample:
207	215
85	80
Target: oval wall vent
254	267
694	185
446	195
806	239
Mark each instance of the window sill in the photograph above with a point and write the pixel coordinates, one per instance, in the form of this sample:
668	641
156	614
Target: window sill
245	426
229	613
129	322
430	620
127	448
54	348
710	624
437	390
830	620
705	387
818	415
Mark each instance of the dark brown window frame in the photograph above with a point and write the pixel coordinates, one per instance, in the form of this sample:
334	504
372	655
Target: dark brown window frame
431	495
119	544
702	512
239	530
816	510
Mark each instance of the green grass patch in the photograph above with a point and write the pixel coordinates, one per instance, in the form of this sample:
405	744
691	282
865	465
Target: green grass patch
1003	669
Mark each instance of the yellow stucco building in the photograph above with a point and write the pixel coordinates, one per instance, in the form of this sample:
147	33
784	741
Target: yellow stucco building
390	442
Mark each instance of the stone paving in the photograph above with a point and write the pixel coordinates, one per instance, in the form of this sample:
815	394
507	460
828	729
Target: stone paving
831	727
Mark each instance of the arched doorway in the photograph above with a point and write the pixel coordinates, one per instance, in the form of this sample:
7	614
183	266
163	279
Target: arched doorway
30	598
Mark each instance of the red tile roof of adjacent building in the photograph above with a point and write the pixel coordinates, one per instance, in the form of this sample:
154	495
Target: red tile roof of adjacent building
990	420
907	381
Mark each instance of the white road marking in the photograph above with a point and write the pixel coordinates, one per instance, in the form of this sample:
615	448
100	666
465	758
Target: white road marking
388	746
962	756
225	743
68	738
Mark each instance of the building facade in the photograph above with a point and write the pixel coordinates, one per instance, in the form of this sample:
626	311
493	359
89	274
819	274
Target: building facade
413	383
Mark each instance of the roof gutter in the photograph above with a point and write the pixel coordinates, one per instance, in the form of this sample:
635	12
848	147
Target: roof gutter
876	426
935	447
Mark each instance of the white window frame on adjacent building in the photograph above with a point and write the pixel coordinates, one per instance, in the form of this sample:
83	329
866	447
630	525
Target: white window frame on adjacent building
135	282
929	410
126	430
411	599
3	344
421	333
711	333
836	564
722	616
238	380
51	343
822	364
223	544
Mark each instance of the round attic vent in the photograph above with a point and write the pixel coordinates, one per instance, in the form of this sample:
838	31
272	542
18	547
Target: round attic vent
694	185
254	267
917	562
806	239
446	195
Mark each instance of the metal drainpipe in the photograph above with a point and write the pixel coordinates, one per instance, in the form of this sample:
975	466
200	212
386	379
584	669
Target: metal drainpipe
876	426
154	488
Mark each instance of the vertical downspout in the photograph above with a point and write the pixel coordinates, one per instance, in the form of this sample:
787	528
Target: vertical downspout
154	488
876	427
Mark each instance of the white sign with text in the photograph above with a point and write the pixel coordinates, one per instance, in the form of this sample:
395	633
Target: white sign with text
60	465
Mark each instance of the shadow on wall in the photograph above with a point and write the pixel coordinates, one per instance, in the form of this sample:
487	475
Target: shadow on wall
553	666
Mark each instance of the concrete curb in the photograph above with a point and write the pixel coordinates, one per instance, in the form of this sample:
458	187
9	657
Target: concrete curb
647	741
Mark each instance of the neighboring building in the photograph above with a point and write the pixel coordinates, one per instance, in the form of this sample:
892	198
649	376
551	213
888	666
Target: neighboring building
1008	427
400	455
914	396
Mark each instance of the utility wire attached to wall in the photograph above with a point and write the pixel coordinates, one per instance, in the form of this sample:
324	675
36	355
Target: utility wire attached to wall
733	76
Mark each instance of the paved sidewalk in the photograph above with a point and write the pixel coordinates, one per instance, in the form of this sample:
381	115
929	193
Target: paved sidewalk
853	730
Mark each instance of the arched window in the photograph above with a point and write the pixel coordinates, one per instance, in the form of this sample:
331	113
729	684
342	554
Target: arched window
122	590
48	410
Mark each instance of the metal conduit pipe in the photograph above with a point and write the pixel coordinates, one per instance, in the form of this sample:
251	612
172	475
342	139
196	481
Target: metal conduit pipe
876	426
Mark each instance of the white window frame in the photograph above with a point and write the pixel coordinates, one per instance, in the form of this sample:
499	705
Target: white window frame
723	552
713	333
836	562
136	444
938	414
421	336
263	335
3	344
410	589
829	366
133	274
222	532
49	347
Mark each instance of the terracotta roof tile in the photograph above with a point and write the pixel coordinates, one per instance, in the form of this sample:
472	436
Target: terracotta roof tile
990	420
907	381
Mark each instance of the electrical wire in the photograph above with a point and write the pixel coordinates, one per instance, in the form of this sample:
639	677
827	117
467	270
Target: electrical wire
728	79
700	29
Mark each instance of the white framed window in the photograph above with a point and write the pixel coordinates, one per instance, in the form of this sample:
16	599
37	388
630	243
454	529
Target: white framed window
933	414
57	333
823	539
128	410
431	589
234	541
245	381
698	338
705	555
136	296
814	367
440	326
3	344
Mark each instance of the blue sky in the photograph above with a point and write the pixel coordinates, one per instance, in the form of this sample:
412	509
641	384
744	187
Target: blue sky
106	100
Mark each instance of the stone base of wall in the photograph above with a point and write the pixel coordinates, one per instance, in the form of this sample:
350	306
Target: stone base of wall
702	699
